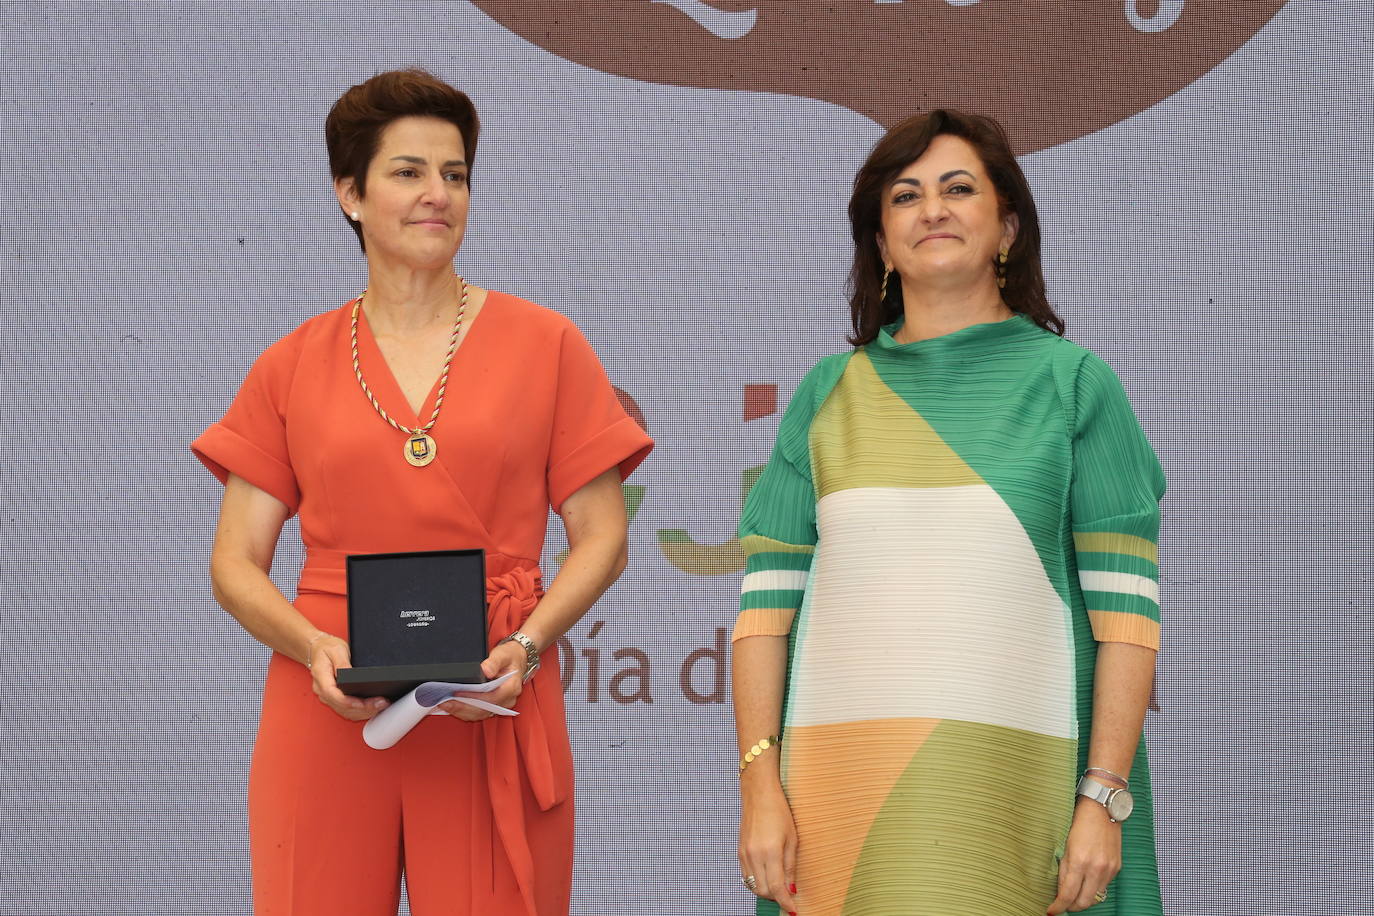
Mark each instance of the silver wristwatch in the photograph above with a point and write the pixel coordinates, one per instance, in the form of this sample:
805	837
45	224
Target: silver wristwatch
531	653
1118	802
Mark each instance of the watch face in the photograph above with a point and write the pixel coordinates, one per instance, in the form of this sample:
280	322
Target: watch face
1120	805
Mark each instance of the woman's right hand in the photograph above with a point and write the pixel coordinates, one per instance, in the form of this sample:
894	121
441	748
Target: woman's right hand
768	842
327	654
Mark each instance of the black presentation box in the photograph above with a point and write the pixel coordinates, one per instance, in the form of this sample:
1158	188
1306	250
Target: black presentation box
415	617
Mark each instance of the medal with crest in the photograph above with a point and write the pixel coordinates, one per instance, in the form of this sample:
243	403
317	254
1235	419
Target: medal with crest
420	449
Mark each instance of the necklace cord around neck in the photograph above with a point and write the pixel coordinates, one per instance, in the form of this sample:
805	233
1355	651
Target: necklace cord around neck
443	379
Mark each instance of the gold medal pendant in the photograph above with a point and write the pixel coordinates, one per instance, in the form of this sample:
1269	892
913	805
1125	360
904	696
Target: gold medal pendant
420	450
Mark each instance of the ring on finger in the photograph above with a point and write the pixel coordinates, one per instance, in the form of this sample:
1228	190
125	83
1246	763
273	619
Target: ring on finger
1100	896
752	883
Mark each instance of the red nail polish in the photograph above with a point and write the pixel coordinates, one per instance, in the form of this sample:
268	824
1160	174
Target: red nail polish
792	889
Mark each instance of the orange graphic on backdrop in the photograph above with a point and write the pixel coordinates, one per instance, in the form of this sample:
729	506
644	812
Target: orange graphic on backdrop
1051	70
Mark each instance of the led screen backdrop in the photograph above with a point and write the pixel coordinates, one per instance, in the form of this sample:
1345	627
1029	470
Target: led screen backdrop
673	176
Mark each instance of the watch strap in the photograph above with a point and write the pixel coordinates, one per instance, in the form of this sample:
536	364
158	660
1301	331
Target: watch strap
1091	788
1106	796
531	652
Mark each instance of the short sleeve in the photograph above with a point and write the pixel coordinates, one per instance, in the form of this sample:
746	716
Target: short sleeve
591	432
777	527
1114	509
250	440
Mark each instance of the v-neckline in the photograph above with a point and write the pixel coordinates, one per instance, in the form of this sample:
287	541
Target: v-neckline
389	386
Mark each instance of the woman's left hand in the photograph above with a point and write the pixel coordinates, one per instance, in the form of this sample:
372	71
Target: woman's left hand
509	656
1092	857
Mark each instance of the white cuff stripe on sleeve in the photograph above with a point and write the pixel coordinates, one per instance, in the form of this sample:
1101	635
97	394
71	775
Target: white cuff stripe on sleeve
770	580
1119	582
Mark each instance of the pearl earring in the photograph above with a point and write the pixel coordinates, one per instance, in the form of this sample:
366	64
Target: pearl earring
354	215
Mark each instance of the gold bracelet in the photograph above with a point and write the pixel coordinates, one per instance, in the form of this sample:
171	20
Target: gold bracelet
753	752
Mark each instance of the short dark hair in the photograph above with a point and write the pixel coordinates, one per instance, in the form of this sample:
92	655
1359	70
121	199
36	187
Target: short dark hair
903	145
353	129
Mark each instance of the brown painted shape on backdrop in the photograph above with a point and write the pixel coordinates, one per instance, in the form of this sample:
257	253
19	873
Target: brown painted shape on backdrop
1050	70
760	401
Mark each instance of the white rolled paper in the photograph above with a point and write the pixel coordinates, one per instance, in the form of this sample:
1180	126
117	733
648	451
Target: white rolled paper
391	724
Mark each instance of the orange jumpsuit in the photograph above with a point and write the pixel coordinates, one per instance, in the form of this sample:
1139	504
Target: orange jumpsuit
479	816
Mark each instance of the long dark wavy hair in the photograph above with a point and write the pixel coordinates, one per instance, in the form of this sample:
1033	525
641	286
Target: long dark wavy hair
903	145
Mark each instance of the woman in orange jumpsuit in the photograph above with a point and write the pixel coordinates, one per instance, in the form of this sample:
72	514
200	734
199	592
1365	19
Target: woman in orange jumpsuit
427	414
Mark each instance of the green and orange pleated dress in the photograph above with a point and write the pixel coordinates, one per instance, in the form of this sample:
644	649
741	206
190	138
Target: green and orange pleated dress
945	532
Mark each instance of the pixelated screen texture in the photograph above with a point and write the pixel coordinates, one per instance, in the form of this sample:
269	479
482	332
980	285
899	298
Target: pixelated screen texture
167	214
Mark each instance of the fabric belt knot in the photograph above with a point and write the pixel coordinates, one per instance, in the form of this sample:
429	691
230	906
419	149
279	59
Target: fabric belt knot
523	739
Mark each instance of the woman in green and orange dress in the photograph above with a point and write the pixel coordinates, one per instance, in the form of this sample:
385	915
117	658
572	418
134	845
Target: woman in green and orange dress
950	608
427	414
